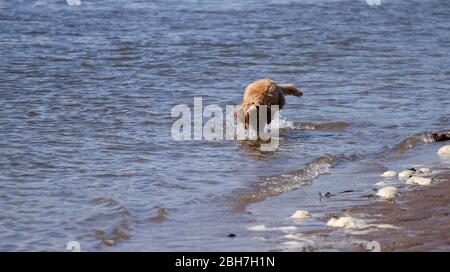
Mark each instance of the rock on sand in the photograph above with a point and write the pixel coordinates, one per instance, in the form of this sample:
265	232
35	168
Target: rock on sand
389	174
419	181
444	151
301	215
424	170
347	222
387	192
406	174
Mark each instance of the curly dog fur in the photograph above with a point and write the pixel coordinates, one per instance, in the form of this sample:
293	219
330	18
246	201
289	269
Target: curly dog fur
265	92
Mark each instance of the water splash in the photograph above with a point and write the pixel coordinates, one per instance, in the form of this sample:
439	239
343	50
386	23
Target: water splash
281	122
332	126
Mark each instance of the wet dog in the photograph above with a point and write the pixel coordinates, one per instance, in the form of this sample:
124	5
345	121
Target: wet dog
264	92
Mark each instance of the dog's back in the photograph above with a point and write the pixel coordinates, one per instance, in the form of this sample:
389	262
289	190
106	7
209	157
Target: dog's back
262	92
265	92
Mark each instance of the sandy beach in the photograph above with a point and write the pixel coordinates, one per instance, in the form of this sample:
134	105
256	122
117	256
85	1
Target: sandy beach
421	216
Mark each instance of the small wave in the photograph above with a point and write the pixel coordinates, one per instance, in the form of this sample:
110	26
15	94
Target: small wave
119	218
117	234
281	123
273	186
422	138
160	216
333	126
276	185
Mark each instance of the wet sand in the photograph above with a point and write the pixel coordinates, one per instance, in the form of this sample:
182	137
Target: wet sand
421	215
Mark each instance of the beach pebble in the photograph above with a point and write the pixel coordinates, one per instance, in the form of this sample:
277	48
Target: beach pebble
389	174
347	222
424	170
300	215
419	181
380	184
406	174
387	192
444	151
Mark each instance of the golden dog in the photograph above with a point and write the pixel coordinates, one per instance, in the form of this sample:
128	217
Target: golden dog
264	92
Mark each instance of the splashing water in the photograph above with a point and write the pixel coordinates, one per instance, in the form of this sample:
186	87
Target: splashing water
281	122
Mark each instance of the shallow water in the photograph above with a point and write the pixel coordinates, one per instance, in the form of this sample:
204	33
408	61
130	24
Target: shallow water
86	94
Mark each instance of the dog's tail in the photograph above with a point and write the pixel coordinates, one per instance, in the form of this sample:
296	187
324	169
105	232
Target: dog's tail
290	89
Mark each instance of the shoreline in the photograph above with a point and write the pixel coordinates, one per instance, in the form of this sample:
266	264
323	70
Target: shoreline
421	216
415	218
409	217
